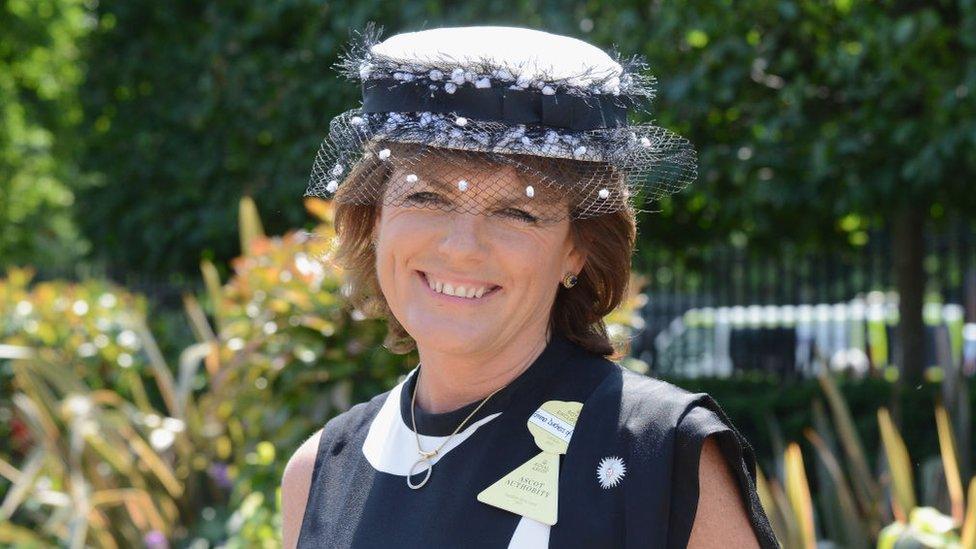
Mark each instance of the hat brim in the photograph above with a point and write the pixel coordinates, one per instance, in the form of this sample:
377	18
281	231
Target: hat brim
655	161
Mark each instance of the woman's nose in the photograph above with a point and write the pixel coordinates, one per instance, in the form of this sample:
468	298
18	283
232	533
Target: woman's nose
464	234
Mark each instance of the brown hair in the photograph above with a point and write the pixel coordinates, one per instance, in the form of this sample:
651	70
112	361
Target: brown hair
607	242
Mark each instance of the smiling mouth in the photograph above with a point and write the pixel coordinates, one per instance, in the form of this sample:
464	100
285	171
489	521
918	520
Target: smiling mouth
468	293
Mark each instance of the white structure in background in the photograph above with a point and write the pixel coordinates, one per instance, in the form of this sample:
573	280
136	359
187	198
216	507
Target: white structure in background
698	342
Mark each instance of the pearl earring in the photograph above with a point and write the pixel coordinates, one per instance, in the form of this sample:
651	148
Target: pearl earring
569	280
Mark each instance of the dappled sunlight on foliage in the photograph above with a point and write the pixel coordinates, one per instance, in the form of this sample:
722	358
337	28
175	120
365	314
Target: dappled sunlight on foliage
139	448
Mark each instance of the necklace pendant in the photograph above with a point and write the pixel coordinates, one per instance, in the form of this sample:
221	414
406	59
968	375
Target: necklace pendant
414	470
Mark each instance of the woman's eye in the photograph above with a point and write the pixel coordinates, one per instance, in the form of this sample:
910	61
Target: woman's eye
428	197
424	197
521	215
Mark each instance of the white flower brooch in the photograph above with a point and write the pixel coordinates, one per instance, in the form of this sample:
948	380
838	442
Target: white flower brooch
610	470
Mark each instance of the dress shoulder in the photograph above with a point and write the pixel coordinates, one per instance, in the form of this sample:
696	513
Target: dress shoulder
354	419
334	436
667	426
342	428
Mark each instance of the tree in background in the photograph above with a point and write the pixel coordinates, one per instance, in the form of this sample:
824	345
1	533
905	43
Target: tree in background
39	114
192	105
815	121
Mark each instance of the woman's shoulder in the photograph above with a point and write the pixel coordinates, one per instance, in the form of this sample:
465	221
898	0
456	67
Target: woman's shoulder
643	407
339	426
665	427
649	402
302	462
654	413
355	418
300	468
683	416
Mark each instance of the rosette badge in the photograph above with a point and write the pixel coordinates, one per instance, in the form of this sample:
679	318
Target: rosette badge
442	106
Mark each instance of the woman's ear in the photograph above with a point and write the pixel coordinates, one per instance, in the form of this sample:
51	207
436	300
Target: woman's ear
575	259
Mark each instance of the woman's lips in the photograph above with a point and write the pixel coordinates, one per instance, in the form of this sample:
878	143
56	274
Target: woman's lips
452	298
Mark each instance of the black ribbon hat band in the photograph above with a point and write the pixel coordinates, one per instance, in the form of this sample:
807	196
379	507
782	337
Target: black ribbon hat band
558	110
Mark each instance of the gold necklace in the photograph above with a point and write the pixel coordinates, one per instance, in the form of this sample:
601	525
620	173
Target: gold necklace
425	457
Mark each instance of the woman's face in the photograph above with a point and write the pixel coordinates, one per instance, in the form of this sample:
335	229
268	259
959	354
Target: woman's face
509	265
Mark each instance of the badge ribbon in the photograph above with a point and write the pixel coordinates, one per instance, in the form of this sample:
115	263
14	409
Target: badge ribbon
531	490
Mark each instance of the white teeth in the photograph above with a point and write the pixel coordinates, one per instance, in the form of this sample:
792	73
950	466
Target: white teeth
458	291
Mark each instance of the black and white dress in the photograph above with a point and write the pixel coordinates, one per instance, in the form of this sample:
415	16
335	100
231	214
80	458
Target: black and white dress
359	496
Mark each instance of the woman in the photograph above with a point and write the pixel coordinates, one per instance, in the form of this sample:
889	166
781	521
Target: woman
484	208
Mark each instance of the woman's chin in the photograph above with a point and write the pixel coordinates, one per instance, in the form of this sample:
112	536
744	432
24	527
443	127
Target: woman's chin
448	338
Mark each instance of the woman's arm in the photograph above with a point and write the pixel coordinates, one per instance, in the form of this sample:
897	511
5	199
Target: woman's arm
294	489
721	520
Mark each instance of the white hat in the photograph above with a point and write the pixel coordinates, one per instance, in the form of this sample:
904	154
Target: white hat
503	91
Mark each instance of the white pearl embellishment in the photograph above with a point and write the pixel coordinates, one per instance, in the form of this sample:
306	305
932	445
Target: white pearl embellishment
462	185
529	191
384	154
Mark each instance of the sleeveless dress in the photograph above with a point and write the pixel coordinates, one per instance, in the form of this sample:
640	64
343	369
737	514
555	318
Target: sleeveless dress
359	496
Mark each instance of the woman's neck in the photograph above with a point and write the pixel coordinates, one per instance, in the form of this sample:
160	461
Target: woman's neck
448	382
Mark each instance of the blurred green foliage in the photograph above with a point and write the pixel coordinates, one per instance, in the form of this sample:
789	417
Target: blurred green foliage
188	108
855	499
144	122
763	408
126	445
41	68
815	120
